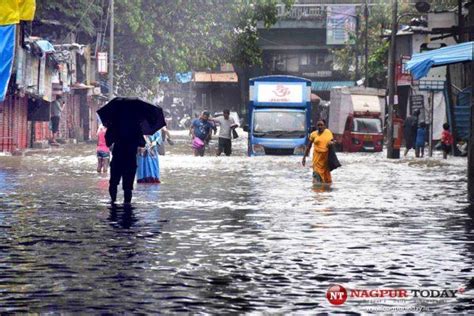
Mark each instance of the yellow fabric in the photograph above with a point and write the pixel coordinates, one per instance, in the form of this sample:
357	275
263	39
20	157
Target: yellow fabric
321	153
12	11
27	9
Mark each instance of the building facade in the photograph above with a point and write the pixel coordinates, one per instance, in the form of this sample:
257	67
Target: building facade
41	71
301	43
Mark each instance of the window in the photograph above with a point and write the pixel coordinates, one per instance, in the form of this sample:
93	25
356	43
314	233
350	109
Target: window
204	100
305	59
279	121
348	124
278	63
367	125
292	63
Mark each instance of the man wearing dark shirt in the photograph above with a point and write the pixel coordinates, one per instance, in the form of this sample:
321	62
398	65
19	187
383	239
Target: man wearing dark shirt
409	130
57	107
125	139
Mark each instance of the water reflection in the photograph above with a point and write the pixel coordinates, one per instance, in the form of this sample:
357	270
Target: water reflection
321	187
123	216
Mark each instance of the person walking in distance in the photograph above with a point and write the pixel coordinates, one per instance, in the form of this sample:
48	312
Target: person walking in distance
200	130
410	127
446	140
226	124
103	152
420	140
57	107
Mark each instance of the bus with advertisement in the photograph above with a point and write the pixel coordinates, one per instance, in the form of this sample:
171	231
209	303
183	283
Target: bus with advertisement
279	115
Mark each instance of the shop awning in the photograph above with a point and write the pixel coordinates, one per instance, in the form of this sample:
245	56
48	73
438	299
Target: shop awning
215	77
328	85
420	64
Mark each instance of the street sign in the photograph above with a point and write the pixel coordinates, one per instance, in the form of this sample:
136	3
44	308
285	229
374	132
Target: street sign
102	62
417	102
341	21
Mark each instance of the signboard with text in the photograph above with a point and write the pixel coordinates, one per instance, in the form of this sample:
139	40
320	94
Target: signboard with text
341	23
102	61
272	92
417	102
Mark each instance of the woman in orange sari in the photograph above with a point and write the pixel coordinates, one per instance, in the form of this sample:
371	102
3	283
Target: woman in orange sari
321	139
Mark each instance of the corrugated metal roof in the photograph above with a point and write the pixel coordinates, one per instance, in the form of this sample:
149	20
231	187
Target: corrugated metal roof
328	85
420	64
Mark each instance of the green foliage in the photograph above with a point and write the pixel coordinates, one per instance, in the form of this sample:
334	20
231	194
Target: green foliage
378	45
168	36
377	69
79	16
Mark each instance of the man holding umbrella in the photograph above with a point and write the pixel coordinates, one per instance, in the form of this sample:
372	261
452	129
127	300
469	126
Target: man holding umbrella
127	120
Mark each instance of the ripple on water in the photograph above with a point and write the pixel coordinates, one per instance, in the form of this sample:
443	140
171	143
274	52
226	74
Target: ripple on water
230	235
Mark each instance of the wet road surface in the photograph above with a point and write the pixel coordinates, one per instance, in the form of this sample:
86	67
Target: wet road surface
231	234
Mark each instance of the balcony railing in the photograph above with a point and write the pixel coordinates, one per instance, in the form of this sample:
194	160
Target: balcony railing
302	12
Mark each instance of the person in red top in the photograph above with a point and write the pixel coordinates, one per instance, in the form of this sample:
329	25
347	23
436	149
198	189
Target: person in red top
446	140
103	152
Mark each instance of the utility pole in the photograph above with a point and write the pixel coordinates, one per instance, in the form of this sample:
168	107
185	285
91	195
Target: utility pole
357	51
111	51
430	140
366	40
470	155
391	82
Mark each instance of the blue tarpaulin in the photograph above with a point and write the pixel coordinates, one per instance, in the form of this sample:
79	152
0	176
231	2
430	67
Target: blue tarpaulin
181	77
7	51
420	64
184	77
45	46
164	78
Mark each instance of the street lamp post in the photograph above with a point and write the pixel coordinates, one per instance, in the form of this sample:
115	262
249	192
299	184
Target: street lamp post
111	51
366	43
391	83
357	48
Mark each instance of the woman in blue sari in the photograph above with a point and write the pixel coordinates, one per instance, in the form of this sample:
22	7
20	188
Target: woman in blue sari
148	167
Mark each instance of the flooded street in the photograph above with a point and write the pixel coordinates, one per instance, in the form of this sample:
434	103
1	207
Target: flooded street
231	234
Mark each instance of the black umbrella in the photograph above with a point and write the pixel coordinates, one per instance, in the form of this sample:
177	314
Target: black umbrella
129	110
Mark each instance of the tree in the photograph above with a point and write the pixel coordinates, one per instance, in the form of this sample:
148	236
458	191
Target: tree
177	35
82	17
168	36
379	20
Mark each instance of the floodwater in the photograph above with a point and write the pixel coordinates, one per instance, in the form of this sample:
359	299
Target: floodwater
232	235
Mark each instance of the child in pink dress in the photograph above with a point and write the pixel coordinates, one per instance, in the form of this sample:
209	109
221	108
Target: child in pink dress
103	152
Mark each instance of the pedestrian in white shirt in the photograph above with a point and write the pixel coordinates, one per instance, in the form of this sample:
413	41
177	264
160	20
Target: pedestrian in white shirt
226	124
